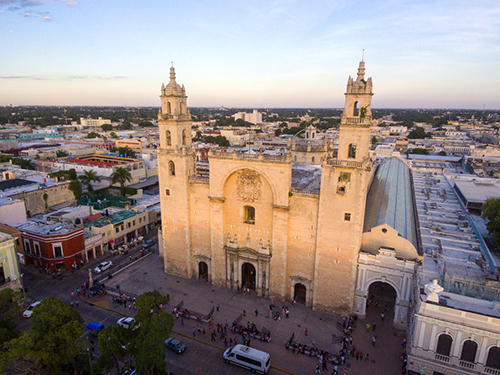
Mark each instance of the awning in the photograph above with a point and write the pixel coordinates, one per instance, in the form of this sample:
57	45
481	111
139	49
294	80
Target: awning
95	326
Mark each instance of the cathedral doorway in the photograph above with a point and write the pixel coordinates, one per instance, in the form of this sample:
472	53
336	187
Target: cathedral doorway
381	300
202	271
299	293
248	276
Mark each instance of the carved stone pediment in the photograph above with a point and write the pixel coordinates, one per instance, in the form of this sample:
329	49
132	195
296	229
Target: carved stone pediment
202	258
247	252
300	279
248	185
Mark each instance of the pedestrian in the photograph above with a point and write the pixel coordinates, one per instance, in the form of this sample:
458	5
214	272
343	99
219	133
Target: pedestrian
217	308
76	302
382	316
374	339
317	371
256	312
244	313
230	341
361	356
168	298
368	327
324	368
357	355
306	332
194	332
367	357
287	312
71	303
374	327
130	257
225	343
182	320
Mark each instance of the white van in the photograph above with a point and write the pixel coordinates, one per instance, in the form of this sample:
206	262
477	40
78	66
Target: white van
250	358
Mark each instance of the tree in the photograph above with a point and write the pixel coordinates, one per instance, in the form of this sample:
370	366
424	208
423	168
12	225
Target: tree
76	187
24	163
421	151
219	140
121	175
51	345
113	342
93	135
125	126
442	153
145	124
126	151
418	133
113	135
106	127
87	178
277	132
491	212
72	174
374	140
10	306
156	325
61	153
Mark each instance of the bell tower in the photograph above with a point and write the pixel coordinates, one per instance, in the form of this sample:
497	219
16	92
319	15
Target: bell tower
356	121
344	187
175	166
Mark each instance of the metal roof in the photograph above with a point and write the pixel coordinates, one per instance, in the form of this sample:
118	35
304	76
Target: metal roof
390	200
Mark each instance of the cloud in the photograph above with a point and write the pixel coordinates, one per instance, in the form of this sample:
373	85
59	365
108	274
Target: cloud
63	78
72	3
17	4
47	18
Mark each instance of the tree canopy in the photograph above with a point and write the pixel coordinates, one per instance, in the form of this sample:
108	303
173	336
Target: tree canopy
121	175
88	177
491	212
419	133
106	127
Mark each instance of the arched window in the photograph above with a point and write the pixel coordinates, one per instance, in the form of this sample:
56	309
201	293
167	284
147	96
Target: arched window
444	345
352	151
493	360
312	135
169	109
469	350
184	137
171	168
249	215
168	138
356	109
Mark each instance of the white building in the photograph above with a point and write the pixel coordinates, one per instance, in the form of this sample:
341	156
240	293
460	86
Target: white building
89	122
255	117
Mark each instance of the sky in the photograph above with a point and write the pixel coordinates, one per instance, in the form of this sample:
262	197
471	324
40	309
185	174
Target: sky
250	53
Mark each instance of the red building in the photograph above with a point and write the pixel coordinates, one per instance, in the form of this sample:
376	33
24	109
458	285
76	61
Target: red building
57	246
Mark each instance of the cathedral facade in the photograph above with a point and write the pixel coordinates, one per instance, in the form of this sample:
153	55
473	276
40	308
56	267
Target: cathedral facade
248	225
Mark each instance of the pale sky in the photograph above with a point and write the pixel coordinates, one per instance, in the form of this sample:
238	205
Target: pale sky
250	53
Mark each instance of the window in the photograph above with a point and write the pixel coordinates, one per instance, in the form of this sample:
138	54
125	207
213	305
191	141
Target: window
128	224
168	138
37	248
493	360
169	108
249	215
444	345
121	228
347	216
313	159
469	350
27	247
140	220
117	230
184	137
171	168
2	276
248	360
58	253
341	190
352	151
167	191
133	223
356	109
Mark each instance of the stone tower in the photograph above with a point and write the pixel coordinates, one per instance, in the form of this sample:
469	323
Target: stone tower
175	166
344	187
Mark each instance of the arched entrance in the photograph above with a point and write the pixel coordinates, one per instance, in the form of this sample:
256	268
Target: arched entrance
381	300
248	276
299	293
202	271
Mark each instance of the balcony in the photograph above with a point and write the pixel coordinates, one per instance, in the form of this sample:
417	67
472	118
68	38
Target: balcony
491	371
467	365
442	358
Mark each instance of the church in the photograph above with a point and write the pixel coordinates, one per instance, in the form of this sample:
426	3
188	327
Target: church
324	236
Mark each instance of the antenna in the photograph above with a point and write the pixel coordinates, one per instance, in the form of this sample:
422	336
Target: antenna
173	63
363	56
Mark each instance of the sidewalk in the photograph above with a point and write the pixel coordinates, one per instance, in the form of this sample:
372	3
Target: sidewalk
201	296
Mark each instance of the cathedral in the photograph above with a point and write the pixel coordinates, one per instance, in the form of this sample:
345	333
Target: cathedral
322	235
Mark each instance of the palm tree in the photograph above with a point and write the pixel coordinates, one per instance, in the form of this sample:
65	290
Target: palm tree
121	175
87	178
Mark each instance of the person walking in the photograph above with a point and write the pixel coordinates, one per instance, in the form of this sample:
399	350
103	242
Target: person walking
374	339
256	313
317	371
194	332
306	332
374	327
367	357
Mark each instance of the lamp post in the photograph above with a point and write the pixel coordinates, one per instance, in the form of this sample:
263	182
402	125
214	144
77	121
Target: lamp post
90	361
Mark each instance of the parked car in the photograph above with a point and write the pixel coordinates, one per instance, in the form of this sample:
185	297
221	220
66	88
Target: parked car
148	244
103	266
28	313
175	345
128	322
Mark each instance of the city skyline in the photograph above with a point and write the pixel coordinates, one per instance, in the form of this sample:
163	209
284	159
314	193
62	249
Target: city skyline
286	54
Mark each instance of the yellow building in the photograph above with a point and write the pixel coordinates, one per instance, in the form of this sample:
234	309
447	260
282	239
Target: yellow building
249	225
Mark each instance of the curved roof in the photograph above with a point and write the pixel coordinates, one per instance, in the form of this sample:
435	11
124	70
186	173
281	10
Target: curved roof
390	200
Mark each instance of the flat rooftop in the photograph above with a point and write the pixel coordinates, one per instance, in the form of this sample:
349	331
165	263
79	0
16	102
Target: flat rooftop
112	219
46	229
478	191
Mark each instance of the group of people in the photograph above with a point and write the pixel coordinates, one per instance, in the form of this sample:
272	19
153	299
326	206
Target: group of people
250	330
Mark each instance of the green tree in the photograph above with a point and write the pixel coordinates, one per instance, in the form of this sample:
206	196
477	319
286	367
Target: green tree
24	163
491	212
5	158
11	303
277	132
442	153
87	178
93	135
126	152
113	342
113	135
418	133
374	140
219	140
125	126
61	153
421	151
145	124
76	187
72	174
121	175
106	127
156	325
51	345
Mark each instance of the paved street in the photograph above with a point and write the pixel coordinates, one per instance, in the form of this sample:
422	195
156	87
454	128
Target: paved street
202	357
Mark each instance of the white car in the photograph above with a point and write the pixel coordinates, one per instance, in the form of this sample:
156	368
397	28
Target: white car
127	323
103	266
28	313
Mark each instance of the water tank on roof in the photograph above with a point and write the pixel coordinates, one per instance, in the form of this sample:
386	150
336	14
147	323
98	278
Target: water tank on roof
70	157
